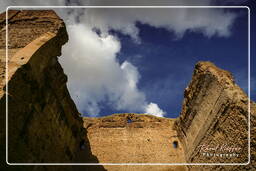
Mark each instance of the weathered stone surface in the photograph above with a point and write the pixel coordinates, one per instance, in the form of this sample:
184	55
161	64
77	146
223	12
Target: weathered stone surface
27	25
43	123
215	114
134	138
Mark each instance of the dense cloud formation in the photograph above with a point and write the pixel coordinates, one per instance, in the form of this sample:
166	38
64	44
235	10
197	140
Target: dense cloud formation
94	74
208	21
96	77
101	79
90	57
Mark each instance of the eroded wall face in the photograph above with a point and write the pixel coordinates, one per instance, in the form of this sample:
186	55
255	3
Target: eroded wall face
43	123
213	125
134	138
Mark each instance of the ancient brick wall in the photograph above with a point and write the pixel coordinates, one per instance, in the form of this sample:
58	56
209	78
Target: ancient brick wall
214	118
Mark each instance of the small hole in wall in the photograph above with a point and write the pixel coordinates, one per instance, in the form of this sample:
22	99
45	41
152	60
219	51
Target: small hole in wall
22	58
175	144
129	120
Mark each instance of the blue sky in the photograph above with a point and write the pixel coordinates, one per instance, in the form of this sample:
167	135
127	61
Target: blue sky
143	64
166	63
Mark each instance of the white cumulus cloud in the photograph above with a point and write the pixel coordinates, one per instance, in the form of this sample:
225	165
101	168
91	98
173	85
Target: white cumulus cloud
153	109
95	76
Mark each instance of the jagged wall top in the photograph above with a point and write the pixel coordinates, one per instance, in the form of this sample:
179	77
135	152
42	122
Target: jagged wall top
27	25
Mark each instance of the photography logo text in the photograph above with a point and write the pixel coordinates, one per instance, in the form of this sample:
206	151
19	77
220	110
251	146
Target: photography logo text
219	150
